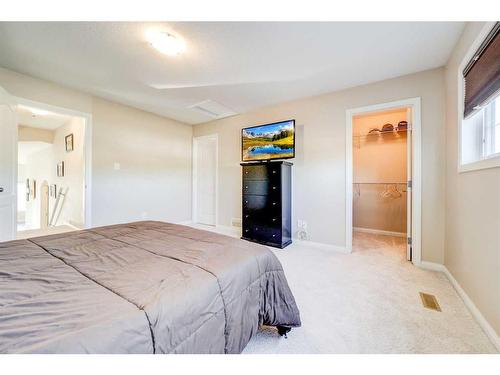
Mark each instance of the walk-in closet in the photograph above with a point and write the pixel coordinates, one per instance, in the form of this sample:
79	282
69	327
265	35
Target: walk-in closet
380	174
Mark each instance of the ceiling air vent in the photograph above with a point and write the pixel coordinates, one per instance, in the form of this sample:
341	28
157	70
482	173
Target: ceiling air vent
212	109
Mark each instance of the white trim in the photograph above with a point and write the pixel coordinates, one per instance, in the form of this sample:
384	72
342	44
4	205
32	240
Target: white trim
487	328
416	126
481	320
7	99
379	231
492	161
186	222
431	266
194	176
87	144
321	246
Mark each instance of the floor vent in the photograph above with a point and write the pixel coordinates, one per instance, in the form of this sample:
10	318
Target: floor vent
429	301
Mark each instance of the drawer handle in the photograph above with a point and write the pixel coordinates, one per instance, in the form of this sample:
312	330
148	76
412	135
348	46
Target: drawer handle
274	171
274	203
247	216
246	201
274	219
274	187
246	187
246	230
274	235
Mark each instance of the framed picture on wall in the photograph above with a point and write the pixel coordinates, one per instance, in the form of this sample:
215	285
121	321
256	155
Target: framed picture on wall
53	191
33	189
60	169
28	190
69	142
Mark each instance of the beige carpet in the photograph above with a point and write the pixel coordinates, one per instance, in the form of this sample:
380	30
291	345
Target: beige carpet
368	302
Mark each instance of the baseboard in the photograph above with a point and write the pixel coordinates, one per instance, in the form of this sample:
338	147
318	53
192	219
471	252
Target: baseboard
379	231
487	328
229	230
321	246
480	319
187	222
431	266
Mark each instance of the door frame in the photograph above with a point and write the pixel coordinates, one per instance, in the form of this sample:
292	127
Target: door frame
194	200
87	149
416	143
7	99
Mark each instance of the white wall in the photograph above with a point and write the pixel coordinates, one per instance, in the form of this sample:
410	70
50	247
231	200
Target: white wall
472	242
319	169
38	167
72	211
154	152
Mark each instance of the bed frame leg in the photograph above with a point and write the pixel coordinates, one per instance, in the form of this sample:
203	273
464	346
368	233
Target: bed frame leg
282	330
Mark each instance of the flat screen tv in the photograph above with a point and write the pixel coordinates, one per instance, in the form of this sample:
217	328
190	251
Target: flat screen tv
267	142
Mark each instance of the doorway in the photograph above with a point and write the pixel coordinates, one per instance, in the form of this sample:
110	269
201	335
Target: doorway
383	178
14	191
50	171
205	171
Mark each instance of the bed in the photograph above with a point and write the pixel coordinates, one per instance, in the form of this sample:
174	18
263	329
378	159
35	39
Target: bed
145	287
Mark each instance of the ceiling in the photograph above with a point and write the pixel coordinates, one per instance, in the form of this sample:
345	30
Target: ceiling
238	65
49	120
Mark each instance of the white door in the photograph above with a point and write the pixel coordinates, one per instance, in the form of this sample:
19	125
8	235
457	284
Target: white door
205	180
8	165
409	187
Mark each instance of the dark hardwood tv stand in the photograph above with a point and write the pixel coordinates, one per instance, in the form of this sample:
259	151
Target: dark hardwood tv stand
267	202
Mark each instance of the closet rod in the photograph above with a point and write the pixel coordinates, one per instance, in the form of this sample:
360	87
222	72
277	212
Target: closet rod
379	183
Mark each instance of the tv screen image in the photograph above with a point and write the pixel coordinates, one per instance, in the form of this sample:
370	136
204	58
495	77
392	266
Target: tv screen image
270	141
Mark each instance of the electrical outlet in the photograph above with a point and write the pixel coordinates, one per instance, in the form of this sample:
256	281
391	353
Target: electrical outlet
235	222
300	223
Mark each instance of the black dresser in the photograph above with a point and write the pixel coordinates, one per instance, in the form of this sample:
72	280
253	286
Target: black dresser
267	203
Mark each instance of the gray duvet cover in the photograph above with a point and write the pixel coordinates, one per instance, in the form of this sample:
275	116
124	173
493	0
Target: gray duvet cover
146	287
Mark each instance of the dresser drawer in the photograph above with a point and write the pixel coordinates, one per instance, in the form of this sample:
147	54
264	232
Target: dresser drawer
261	172
261	187
263	218
262	233
269	204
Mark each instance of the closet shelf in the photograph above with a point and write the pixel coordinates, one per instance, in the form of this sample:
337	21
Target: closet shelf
379	183
379	134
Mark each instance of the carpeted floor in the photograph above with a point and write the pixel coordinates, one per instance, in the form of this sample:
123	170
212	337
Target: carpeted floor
368	302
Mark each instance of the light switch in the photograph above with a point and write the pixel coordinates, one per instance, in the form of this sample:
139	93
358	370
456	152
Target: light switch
116	166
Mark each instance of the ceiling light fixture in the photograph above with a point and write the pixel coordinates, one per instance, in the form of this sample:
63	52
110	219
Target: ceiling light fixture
166	43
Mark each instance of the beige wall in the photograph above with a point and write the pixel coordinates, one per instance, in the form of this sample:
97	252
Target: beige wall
379	159
154	152
29	134
472	242
319	168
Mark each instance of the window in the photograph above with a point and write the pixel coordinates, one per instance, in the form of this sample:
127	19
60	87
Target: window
481	133
480	126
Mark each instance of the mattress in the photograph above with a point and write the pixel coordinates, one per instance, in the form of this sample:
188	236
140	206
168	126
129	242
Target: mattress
144	287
